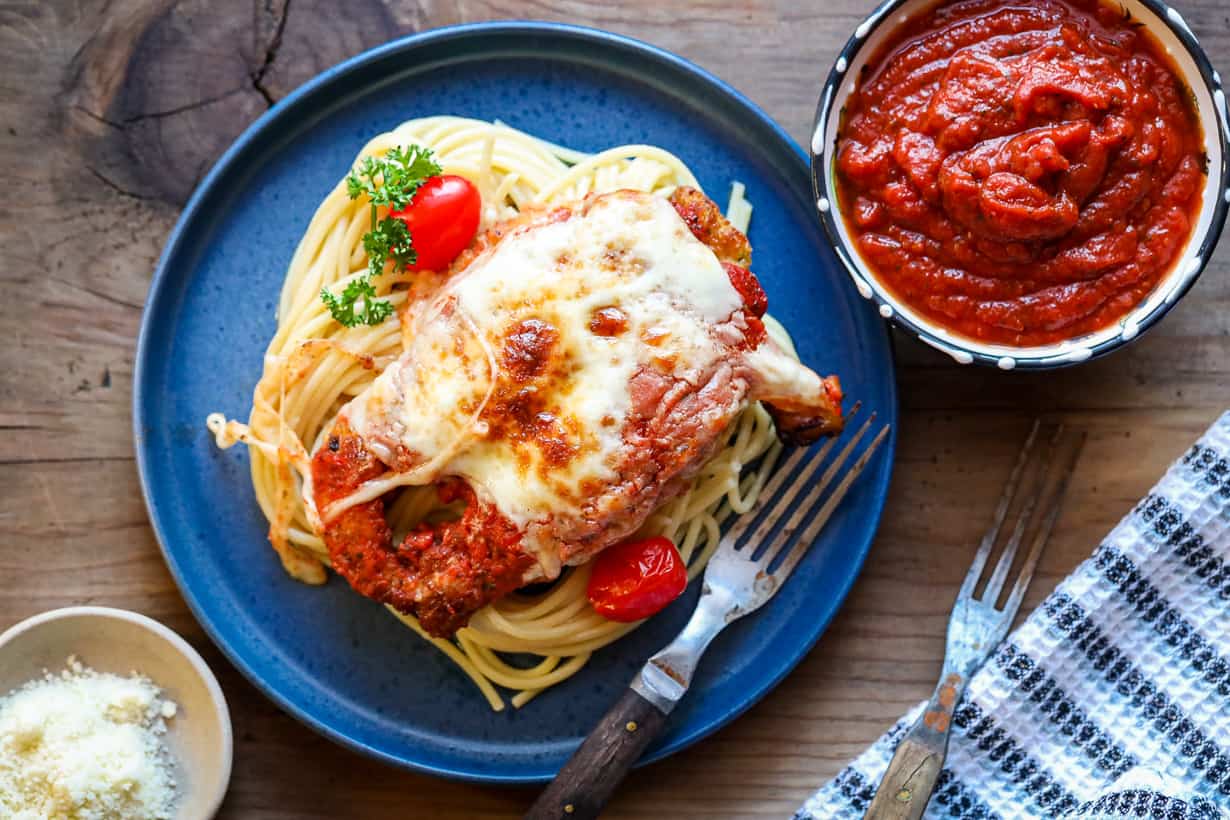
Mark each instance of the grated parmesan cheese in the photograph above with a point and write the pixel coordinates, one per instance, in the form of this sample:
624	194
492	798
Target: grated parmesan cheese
84	745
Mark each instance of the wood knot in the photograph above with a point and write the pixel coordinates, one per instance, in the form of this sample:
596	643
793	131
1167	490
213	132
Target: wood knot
154	98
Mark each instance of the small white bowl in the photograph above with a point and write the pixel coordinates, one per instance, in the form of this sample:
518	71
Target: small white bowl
1172	32
121	642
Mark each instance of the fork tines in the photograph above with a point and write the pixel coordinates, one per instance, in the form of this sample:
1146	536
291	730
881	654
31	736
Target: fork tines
1043	470
773	531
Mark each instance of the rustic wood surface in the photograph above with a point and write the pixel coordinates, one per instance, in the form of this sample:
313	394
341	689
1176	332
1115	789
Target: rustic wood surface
109	114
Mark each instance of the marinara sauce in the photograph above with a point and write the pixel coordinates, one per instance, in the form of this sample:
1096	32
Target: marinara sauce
1021	173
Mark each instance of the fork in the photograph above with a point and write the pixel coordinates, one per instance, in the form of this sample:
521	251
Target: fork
976	627
741	576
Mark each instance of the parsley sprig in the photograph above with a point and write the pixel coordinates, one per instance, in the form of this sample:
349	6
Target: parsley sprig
391	182
346	308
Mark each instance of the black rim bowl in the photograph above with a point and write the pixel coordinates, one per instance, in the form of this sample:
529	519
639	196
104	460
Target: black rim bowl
1062	354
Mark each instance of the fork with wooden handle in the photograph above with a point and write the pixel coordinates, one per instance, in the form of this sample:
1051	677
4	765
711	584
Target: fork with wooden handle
746	571
977	626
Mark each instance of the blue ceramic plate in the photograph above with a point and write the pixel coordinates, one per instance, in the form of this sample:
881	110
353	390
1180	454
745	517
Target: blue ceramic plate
331	658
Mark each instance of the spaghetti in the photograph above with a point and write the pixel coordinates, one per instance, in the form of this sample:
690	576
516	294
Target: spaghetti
314	365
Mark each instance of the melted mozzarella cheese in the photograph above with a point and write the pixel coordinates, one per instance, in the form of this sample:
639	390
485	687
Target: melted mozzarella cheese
626	251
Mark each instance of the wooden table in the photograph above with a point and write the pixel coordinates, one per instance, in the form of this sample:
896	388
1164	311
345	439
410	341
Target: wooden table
111	112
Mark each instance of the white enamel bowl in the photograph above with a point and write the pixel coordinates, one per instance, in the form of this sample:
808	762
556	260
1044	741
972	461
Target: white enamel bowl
1169	28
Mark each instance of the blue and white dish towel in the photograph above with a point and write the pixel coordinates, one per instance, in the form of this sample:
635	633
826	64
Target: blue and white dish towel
1112	700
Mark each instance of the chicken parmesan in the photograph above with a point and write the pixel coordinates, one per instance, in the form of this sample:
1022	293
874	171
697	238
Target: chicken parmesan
508	372
565	382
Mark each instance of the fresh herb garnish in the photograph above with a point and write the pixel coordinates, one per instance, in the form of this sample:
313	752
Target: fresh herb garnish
391	182
401	171
345	309
390	239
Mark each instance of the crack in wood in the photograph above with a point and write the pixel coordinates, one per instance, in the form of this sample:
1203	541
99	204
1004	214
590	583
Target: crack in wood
106	297
271	54
179	109
97	117
114	186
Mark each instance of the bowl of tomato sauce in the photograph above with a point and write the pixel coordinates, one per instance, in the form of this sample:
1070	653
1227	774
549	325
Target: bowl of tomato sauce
1025	184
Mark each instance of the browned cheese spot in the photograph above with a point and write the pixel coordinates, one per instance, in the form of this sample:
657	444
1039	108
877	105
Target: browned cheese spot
608	321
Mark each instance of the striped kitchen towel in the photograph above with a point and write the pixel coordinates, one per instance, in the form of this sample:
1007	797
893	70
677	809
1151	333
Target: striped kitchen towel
1112	700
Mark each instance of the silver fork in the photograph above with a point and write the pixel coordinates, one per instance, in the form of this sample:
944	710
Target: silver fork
975	628
742	575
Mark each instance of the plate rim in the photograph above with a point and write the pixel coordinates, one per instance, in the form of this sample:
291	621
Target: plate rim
191	212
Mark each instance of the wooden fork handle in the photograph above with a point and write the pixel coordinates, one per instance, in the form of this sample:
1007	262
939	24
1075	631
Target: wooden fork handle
907	785
589	778
911	776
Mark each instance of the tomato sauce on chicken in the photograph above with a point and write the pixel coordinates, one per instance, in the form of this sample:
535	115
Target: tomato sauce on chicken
1021	173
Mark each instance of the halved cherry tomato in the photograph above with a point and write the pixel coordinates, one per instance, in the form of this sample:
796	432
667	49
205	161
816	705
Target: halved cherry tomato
636	579
442	218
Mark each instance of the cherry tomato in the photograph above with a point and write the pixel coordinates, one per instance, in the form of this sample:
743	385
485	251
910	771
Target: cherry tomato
635	579
442	218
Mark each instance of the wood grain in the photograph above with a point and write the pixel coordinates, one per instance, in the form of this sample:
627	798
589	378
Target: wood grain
109	114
